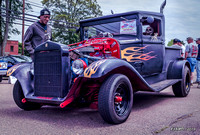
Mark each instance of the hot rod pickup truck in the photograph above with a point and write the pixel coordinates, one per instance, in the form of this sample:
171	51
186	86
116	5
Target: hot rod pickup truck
118	55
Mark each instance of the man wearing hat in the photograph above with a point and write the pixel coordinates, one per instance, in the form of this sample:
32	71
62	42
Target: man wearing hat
191	54
198	63
177	44
38	32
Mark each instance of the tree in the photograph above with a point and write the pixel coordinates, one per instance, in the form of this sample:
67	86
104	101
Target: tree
170	43
69	13
26	53
9	11
6	26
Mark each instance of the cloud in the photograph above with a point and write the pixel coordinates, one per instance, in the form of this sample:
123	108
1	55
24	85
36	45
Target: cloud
119	6
182	16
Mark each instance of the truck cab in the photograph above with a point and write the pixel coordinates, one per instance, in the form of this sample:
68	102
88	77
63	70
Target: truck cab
140	34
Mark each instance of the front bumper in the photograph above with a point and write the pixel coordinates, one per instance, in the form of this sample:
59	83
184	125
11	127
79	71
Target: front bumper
3	71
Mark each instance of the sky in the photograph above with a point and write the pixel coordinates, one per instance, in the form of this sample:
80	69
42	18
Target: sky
181	16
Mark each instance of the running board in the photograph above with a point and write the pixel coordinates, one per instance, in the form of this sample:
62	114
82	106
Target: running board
163	84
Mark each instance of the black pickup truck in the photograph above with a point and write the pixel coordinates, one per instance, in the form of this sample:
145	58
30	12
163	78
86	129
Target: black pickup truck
118	55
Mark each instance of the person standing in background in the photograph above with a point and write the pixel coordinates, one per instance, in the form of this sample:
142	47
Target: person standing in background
183	49
191	54
38	32
177	44
198	63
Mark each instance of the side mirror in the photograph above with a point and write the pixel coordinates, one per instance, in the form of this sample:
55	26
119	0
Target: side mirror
150	19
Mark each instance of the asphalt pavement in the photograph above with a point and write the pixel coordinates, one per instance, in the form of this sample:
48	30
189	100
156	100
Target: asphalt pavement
152	114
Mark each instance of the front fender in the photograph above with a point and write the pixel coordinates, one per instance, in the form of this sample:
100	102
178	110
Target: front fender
104	68
23	75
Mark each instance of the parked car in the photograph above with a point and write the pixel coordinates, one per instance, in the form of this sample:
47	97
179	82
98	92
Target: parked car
3	69
115	58
15	59
10	61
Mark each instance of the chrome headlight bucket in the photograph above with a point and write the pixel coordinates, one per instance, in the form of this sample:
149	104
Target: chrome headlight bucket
78	66
3	65
32	68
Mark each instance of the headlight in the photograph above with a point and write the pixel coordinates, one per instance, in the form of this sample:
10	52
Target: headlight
78	66
3	65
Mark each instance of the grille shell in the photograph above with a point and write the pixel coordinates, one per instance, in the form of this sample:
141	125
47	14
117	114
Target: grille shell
51	71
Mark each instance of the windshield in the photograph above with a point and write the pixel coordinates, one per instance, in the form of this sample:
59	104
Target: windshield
121	30
22	59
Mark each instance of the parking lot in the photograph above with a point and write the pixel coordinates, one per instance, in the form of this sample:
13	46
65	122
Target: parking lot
152	113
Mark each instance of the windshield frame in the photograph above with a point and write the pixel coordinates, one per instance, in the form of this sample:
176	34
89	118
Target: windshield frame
112	20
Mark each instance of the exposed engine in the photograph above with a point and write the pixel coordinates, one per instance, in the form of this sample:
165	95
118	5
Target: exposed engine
84	53
96	47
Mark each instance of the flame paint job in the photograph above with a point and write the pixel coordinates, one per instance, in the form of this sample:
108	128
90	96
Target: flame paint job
92	68
133	54
12	69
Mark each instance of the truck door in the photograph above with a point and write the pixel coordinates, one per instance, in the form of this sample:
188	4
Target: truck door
153	61
153	44
133	53
145	57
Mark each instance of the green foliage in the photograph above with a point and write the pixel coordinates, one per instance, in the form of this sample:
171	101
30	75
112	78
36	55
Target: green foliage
20	50
170	43
69	13
14	12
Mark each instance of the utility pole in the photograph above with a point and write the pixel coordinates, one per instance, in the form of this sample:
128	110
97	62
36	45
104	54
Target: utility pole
5	38
23	27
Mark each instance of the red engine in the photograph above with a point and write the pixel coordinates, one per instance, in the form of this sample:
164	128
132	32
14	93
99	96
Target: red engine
103	47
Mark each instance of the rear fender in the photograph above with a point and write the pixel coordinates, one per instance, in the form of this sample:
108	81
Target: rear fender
176	69
102	69
23	75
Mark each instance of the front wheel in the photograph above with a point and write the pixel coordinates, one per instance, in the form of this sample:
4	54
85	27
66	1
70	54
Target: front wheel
115	99
18	95
182	88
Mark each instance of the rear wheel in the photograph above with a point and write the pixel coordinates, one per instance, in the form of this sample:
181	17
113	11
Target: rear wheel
18	95
182	88
115	99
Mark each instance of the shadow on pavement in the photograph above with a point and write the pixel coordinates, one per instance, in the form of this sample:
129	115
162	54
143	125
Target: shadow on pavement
143	100
80	116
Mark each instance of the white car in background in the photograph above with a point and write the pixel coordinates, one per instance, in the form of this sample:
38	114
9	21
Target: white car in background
8	62
3	69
